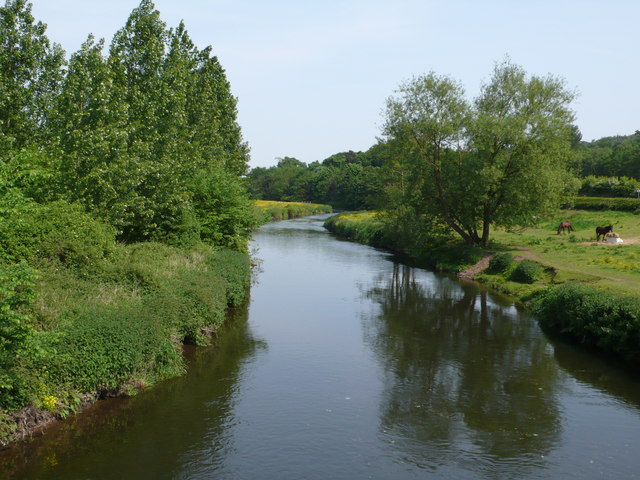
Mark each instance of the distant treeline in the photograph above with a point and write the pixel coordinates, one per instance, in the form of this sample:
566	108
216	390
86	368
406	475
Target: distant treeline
608	167
617	156
346	181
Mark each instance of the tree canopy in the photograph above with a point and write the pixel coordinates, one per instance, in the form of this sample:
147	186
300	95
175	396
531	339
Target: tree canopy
134	136
497	161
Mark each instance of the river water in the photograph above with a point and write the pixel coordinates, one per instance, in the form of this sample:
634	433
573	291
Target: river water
348	365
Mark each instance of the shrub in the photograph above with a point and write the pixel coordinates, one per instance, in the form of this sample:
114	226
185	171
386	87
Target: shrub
500	262
234	268
58	230
527	271
593	317
122	321
222	208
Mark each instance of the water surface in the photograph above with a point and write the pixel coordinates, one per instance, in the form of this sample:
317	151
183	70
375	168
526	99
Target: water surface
348	365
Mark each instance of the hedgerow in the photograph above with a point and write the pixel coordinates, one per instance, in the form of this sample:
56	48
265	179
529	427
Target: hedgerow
602	203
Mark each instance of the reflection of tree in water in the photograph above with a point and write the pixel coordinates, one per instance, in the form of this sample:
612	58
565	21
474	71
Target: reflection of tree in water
593	370
466	380
154	434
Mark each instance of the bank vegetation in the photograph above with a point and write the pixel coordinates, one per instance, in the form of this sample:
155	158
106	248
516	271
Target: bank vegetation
124	217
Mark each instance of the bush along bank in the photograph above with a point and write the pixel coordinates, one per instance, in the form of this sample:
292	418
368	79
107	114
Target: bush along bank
371	228
73	334
594	318
606	321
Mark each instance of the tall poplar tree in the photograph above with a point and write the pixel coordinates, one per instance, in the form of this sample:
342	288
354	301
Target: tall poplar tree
89	128
30	75
212	109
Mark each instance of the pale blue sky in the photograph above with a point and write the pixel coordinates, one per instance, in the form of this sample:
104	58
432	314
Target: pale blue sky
312	77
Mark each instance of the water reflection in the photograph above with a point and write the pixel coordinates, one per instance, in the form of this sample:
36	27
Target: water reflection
466	380
596	372
179	426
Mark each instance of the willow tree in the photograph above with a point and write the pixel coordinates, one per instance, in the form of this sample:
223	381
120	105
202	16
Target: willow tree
498	161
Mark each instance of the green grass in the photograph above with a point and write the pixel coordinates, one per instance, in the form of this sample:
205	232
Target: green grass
577	256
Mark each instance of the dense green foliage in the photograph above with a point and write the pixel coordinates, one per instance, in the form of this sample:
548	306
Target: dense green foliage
595	318
122	321
593	186
124	220
30	75
379	231
363	227
145	138
16	293
347	181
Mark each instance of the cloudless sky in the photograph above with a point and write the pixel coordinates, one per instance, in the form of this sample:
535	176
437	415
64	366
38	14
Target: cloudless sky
311	77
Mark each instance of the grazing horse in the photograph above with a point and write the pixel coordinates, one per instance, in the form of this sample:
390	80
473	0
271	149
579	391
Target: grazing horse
565	226
603	231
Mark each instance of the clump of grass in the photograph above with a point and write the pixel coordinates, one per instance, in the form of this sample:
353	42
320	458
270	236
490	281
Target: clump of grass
363	227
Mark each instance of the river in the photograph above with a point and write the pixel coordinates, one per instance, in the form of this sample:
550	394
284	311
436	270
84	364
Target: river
348	365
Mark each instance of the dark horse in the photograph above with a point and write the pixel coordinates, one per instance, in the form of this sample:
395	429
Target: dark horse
565	226
602	231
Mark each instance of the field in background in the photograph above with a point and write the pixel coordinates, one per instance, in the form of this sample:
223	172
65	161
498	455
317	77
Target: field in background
577	255
566	257
268	210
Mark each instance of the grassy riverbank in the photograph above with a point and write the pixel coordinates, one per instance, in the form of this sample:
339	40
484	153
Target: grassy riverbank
113	326
269	210
577	287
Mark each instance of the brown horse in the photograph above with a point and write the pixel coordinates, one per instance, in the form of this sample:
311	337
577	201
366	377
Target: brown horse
602	231
565	226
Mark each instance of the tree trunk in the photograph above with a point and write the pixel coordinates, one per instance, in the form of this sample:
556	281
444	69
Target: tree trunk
485	234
